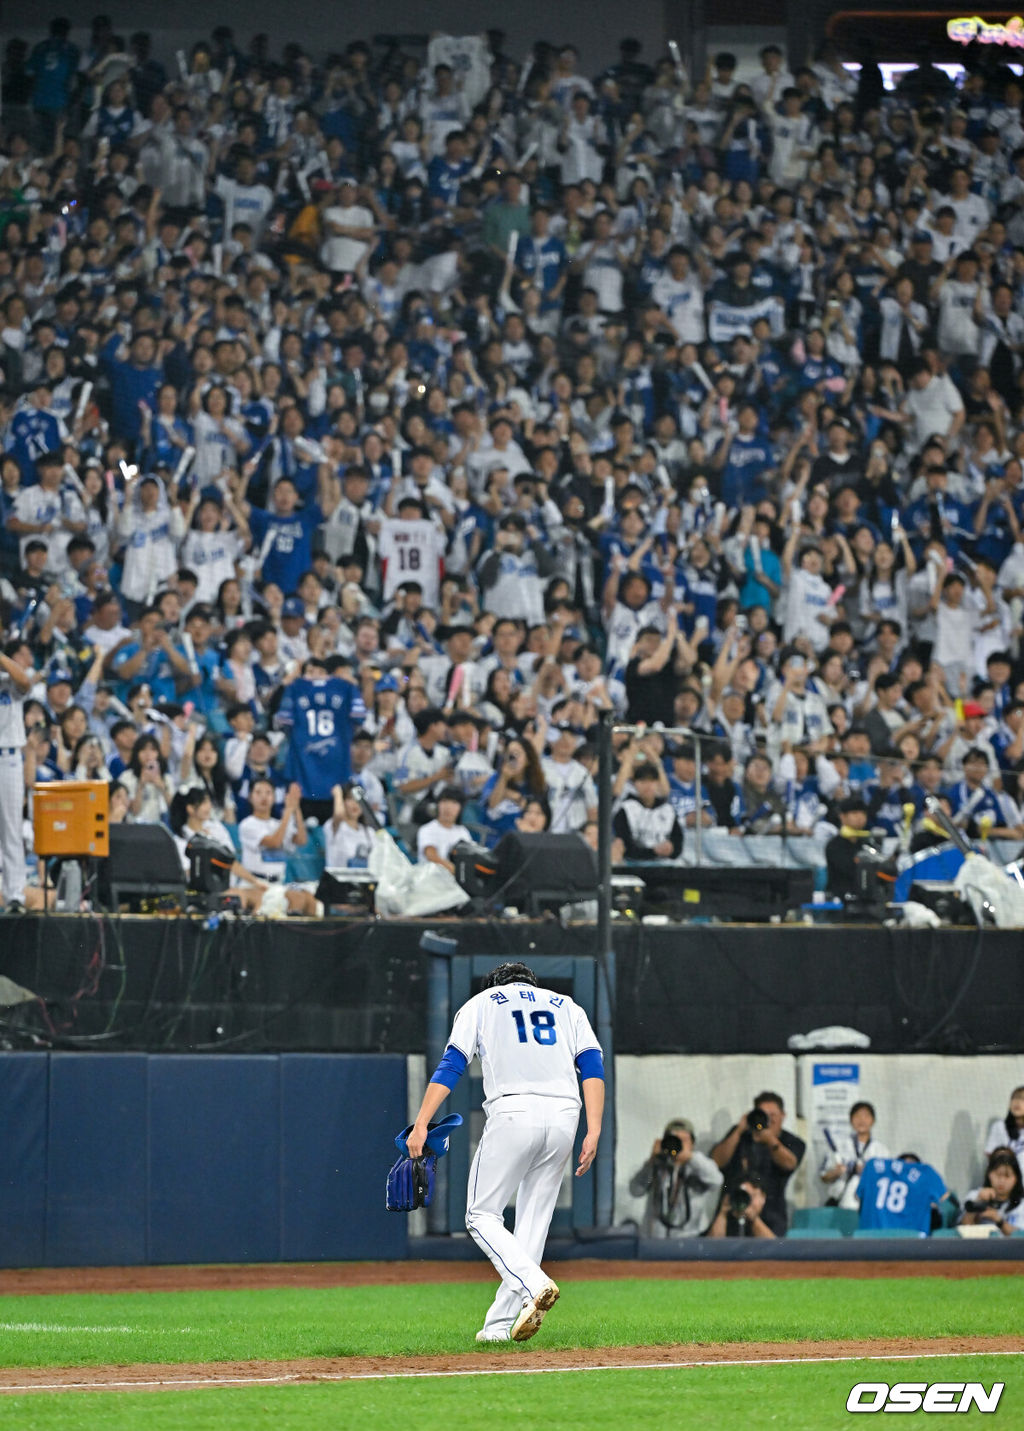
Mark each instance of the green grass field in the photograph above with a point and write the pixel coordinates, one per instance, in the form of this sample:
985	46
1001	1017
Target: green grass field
83	1330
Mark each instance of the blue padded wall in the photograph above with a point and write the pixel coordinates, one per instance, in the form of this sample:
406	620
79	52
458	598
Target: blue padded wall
24	1120
96	1159
214	1159
115	1159
339	1116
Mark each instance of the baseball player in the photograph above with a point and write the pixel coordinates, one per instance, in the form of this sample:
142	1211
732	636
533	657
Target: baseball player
531	1042
15	684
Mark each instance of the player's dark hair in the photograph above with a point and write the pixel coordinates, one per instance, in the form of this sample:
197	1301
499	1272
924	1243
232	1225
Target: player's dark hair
510	974
863	1104
1006	1158
909	1158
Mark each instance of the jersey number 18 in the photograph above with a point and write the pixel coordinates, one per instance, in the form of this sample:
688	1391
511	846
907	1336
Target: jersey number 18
544	1030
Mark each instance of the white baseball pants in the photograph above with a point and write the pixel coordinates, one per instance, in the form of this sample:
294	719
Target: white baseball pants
12	844
525	1146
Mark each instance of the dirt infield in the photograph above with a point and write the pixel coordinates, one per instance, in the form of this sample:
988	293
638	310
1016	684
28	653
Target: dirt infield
515	1360
36	1281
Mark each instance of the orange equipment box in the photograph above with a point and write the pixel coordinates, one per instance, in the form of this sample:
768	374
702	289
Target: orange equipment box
71	817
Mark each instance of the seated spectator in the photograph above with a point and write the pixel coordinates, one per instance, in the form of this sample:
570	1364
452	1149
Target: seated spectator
999	1201
147	782
435	839
766	1153
247	887
348	839
842	1166
267	840
680	1185
1008	1132
518	779
646	821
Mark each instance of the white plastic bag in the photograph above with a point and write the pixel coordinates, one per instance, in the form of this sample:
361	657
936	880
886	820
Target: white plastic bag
405	890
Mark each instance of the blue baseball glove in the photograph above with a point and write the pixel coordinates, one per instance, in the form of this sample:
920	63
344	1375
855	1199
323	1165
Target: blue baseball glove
410	1182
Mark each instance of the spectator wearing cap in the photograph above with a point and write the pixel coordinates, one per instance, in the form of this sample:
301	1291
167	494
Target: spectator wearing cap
572	793
843	850
349	230
979	810
292	642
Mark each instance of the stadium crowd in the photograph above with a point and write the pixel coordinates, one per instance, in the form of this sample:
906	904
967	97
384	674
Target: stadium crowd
377	419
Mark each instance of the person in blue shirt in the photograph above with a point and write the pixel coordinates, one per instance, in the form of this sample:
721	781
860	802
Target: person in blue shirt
448	172
151	659
543	260
33	430
316	711
900	1192
762	566
53	65
283	535
936	515
133	379
744	458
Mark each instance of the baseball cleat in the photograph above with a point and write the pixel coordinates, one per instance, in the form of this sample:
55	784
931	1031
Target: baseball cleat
527	1324
485	1336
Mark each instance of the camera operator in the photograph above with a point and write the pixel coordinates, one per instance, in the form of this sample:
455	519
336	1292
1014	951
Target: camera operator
759	1148
740	1213
680	1184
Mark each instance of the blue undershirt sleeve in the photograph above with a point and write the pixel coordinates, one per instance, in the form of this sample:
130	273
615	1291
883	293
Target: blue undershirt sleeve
590	1063
451	1068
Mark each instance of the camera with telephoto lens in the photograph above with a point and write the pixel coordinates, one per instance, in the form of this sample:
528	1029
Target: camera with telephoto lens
671	1147
739	1201
757	1120
976	1205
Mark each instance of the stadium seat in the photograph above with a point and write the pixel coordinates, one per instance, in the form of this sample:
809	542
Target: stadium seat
842	1220
886	1232
812	1233
307	864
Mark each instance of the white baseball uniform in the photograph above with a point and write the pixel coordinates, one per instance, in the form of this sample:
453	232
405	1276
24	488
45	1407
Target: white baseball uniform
12	787
528	1040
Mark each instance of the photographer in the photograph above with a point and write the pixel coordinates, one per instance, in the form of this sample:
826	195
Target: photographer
740	1213
681	1185
758	1148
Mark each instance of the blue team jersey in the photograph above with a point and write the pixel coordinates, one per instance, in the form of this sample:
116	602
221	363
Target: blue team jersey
288	543
318	717
897	1194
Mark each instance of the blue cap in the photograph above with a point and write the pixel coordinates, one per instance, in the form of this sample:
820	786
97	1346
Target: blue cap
437	1137
58	674
921	236
387	683
293	606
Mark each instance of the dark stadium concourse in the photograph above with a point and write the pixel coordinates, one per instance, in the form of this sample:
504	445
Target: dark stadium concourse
173	985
